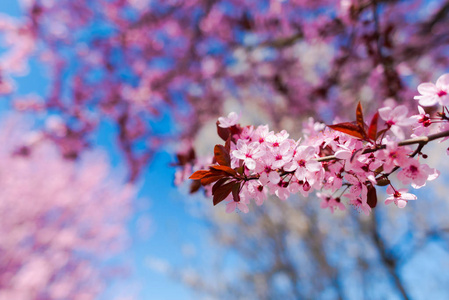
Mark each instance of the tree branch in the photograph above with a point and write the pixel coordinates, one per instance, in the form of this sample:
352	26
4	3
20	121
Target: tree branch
389	261
422	141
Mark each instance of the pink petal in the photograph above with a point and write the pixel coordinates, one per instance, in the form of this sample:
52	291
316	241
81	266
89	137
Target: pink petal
429	100
384	113
243	207
238	154
427	88
402	203
274	177
343	154
397	131
250	163
290	166
399	112
389	200
313	166
443	82
390	190
408	196
230	207
421	110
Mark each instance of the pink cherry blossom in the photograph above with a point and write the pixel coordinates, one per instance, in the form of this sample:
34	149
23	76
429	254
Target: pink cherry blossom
393	156
248	153
417	174
266	170
422	123
228	121
255	190
395	118
357	187
282	154
303	162
334	178
275	140
399	197
432	94
233	205
359	204
331	202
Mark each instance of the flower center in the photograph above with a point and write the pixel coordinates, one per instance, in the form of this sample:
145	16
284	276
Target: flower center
425	120
442	93
413	169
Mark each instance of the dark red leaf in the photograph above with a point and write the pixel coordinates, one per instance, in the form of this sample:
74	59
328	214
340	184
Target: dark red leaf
236	129
359	116
199	174
221	155
222	192
224	133
235	192
195	186
225	169
241	169
372	196
191	155
349	128
210	179
184	158
372	131
228	144
218	184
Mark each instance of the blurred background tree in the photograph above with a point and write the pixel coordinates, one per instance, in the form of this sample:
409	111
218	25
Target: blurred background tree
60	220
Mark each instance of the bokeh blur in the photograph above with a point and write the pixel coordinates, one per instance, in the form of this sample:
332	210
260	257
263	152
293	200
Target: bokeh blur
101	99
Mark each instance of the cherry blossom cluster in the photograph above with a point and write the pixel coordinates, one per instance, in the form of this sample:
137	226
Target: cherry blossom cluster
343	163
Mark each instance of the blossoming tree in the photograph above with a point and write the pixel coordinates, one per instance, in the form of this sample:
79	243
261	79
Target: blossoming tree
126	61
59	220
